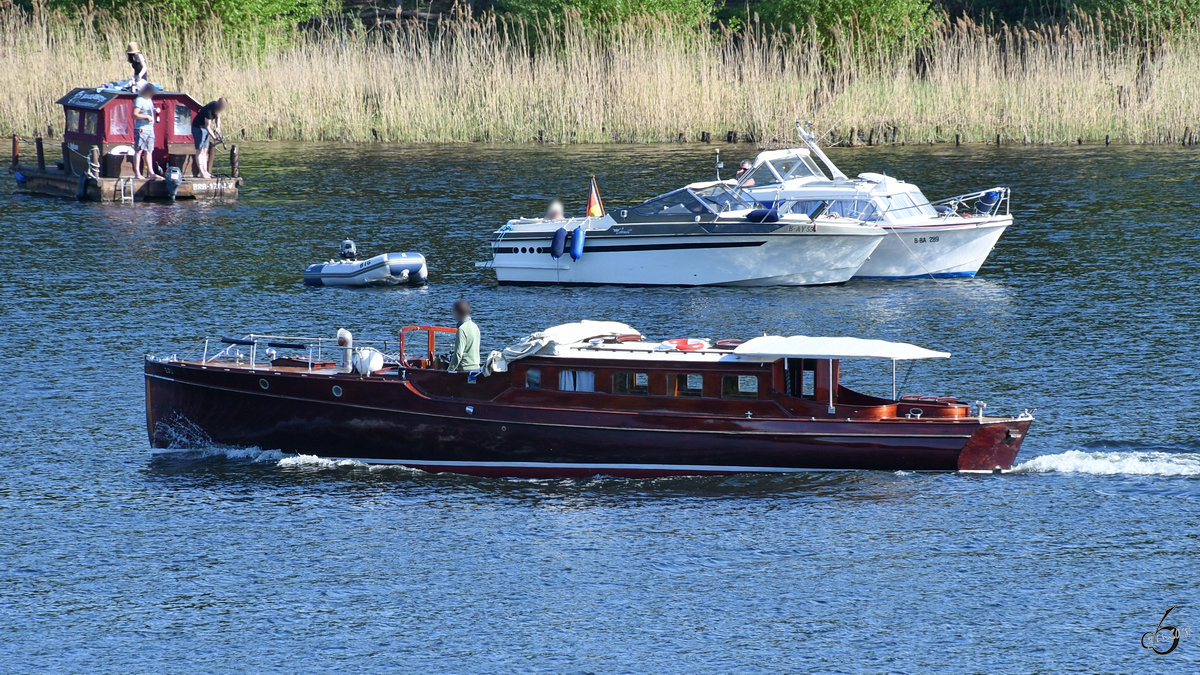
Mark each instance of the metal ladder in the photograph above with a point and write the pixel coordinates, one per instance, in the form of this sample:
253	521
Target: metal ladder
126	186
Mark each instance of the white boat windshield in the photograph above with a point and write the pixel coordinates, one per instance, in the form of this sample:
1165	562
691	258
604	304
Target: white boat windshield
902	205
860	207
777	170
688	201
722	198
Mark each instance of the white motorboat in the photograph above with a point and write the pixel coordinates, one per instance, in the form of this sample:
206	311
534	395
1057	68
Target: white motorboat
949	238
385	269
704	234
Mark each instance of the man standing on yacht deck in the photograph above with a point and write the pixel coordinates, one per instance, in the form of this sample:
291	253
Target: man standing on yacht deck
466	340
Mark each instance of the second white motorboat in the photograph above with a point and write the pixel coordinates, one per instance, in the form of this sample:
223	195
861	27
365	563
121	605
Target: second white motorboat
949	238
704	234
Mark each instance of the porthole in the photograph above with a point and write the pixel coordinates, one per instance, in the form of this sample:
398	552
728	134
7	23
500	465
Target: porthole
337	391
263	384
524	250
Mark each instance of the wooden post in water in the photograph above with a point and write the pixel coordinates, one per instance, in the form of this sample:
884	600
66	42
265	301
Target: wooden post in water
997	139
871	136
705	137
16	158
853	136
235	162
41	154
68	165
94	159
270	133
1107	139
957	140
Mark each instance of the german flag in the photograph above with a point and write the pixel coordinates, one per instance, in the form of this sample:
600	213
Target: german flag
595	206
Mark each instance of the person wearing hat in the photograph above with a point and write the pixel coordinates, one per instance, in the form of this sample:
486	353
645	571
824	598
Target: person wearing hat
141	72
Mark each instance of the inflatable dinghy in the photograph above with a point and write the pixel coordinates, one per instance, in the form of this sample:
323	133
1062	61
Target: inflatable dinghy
385	269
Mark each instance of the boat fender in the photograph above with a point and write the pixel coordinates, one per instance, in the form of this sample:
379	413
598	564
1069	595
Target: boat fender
367	360
19	176
81	190
986	202
559	243
577	238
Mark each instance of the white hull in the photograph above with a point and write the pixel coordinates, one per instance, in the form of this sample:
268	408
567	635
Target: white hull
709	260
951	250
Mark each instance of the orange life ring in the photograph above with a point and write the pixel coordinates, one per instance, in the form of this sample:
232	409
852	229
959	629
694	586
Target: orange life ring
687	344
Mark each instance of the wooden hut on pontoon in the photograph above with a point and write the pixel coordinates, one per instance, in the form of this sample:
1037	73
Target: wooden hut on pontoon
97	151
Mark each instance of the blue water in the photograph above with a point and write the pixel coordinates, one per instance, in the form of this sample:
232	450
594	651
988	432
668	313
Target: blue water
250	560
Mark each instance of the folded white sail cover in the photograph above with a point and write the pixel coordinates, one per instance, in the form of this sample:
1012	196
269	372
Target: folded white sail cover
806	347
547	341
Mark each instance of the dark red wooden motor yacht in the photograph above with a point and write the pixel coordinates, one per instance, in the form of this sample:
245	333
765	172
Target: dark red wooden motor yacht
580	399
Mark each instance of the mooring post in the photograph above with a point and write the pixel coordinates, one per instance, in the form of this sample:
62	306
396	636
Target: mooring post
41	154
16	151
1107	139
871	136
68	164
997	139
705	137
853	136
957	140
235	162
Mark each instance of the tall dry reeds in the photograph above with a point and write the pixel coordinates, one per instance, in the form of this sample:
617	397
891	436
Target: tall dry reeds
477	79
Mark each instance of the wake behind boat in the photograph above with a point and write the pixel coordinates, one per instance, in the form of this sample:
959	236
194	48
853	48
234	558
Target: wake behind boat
949	238
580	399
704	234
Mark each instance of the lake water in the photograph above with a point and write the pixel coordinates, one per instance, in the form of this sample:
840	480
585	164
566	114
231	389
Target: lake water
251	560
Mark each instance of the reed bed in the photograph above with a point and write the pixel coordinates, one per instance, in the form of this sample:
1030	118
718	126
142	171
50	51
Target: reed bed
473	79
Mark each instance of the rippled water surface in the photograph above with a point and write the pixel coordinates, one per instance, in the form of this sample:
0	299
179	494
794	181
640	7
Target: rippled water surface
253	560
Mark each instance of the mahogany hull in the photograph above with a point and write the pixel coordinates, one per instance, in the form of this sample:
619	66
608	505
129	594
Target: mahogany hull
388	420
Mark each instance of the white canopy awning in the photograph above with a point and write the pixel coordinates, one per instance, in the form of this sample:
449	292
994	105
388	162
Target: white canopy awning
806	347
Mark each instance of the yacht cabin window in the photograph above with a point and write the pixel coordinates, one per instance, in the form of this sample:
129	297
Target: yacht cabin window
739	386
631	383
576	380
690	384
533	378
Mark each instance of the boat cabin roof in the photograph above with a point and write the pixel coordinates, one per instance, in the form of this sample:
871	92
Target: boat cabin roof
772	167
603	340
96	98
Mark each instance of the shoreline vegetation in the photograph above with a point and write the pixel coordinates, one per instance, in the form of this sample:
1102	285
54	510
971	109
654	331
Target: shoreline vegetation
486	77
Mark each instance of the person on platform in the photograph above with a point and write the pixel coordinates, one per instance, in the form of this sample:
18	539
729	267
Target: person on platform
466	340
555	211
206	126
141	71
143	134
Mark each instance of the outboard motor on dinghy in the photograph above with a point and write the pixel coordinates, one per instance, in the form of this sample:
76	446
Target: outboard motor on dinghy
174	180
349	250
